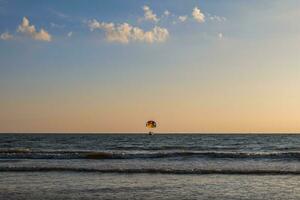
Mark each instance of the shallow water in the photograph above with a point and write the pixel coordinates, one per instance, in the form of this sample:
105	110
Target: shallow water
69	185
149	167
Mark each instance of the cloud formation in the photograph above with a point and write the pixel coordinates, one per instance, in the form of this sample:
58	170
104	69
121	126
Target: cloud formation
70	34
167	13
125	33
217	18
53	25
220	36
149	15
198	15
182	18
31	31
6	36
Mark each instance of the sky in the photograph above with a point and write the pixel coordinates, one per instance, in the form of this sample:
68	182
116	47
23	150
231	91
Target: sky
109	66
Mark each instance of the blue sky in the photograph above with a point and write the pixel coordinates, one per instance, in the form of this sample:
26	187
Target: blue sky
210	74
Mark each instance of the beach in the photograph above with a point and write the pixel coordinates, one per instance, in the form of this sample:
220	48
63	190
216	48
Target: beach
69	185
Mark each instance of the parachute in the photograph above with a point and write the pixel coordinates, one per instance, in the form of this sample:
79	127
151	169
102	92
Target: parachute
151	124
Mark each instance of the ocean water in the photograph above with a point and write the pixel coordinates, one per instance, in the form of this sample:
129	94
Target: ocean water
129	166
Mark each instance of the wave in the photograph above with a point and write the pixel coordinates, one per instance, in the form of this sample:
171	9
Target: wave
15	150
162	148
154	171
75	154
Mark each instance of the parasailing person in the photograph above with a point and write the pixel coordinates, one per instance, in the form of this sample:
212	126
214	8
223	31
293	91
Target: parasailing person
151	125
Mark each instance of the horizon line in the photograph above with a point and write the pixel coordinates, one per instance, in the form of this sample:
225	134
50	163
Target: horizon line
158	133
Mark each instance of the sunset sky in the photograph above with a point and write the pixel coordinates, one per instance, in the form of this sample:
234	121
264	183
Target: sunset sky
109	66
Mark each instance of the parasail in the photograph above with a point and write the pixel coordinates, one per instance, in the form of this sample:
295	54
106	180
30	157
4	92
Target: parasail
151	124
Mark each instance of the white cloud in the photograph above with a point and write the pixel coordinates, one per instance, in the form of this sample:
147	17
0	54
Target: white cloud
6	36
167	13
217	18
125	33
198	15
182	18
30	30
149	15
70	34
220	36
94	24
59	14
53	25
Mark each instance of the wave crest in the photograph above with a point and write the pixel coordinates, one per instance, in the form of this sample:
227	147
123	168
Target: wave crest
153	171
65	154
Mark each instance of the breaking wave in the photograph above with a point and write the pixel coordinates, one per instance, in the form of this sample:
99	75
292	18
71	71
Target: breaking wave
65	154
153	171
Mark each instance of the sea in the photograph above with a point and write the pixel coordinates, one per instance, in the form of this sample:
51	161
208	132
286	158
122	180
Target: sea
141	166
